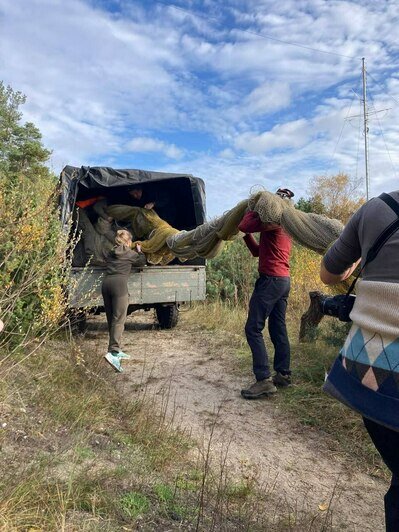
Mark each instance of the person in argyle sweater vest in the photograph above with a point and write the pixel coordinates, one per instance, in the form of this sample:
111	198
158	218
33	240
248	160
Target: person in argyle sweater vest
365	375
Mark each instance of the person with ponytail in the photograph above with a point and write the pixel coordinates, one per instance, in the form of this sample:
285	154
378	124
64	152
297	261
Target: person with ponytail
114	290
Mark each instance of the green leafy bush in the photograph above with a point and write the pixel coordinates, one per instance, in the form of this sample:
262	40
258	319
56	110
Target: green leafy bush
32	247
232	274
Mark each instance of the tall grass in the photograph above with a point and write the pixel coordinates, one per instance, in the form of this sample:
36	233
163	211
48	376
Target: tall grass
78	454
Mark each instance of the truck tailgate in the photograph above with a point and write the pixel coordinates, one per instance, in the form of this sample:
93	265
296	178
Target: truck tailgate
148	285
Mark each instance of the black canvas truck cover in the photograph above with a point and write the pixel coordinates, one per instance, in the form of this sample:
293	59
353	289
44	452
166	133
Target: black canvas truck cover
185	194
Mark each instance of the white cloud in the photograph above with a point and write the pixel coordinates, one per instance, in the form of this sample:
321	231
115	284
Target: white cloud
145	144
227	153
269	97
290	135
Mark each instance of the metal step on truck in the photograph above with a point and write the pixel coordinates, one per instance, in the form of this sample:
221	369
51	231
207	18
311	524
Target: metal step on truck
180	200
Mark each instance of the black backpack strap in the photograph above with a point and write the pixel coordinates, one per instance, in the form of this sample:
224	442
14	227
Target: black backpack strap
387	232
391	202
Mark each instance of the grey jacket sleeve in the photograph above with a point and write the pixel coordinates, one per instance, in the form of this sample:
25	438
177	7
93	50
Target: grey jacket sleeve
346	249
137	259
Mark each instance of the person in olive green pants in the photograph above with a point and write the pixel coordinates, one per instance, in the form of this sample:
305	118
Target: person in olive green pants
114	290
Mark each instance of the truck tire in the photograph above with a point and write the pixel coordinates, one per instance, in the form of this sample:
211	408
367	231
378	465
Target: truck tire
167	315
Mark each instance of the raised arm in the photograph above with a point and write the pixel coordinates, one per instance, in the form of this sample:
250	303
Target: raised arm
252	245
100	208
344	255
137	259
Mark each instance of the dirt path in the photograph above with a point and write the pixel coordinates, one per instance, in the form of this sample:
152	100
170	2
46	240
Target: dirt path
182	366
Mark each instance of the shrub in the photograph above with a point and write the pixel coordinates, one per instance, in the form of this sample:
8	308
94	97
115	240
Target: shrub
32	247
232	274
305	268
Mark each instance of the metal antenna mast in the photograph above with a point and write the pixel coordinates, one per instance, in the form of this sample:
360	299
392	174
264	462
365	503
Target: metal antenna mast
365	128
366	115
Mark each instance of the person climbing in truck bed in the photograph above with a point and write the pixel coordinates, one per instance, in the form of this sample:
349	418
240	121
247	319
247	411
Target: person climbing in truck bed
146	197
97	237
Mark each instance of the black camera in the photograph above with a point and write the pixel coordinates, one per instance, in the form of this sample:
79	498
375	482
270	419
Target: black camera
338	306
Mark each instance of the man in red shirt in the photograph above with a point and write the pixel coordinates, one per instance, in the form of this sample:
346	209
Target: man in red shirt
268	301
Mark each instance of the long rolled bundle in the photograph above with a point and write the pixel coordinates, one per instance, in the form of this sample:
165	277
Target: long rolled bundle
313	231
147	225
207	239
163	242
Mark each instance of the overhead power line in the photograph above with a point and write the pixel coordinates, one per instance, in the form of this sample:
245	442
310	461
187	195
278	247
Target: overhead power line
251	32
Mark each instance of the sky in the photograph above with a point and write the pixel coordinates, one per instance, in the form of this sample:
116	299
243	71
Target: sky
245	94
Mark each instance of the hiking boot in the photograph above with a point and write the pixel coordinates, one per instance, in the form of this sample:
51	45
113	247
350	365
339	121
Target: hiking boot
259	389
281	380
114	362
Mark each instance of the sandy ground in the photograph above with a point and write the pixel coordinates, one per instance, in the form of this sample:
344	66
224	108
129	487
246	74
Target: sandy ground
181	368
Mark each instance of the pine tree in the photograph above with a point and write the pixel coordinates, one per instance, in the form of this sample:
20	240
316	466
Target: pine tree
21	149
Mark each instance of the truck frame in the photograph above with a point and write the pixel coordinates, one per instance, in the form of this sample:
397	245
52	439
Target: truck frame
163	288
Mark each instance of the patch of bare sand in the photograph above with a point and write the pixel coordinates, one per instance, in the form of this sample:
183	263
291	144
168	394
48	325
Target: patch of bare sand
200	392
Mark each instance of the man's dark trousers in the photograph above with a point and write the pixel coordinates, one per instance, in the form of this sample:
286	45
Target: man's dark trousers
269	300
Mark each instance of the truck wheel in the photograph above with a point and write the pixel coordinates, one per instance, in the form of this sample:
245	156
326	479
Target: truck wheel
168	316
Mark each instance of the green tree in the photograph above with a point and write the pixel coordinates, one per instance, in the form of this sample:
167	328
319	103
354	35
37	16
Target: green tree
21	149
312	204
232	274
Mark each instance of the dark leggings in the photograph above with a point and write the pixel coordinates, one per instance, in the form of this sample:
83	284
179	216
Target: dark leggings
116	301
387	444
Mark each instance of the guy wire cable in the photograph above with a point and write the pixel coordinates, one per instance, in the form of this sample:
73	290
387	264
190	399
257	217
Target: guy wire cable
251	32
383	136
340	134
380	84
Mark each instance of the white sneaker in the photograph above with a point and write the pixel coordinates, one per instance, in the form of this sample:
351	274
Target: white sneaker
114	362
122	356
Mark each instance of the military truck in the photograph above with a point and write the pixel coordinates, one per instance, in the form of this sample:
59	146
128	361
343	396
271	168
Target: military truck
163	288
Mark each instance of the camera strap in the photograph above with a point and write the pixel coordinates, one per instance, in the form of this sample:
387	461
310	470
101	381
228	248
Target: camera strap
382	238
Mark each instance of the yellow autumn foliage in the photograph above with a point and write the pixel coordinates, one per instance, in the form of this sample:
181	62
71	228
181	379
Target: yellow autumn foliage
32	258
52	304
30	236
305	268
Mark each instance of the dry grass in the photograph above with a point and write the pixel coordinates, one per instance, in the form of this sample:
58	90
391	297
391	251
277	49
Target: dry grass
77	455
